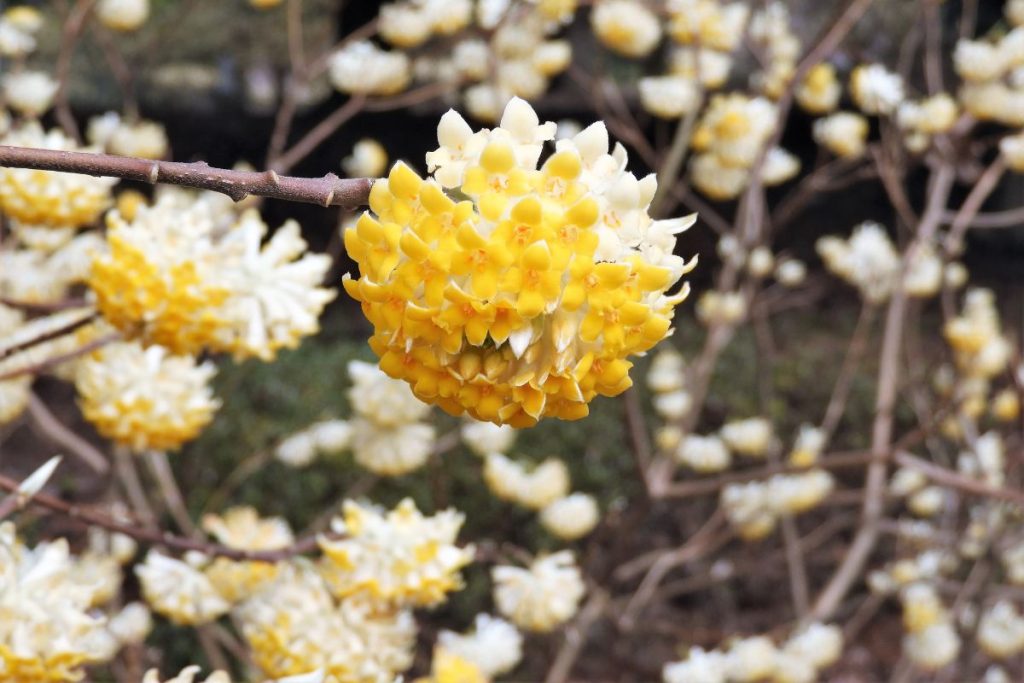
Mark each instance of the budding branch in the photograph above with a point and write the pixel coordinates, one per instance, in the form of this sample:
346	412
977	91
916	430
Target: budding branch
328	190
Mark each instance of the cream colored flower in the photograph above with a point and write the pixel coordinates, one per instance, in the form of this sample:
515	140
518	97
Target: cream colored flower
626	26
708	23
779	166
60	200
707	67
810	441
843	133
242	528
145	398
751	437
699	665
820	90
294	627
486	437
29	92
363	68
494	645
179	590
868	260
1001	630
751	659
275	294
673	405
571	517
123	15
933	115
18	26
790	272
188	274
377	397
875	89
132	624
542	597
667	372
187	675
369	159
669	97
704	454
143	139
1012	149
396	558
796	493
47	627
721	308
979	61
534	488
391	450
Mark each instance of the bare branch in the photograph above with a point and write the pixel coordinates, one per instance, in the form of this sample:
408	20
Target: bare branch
329	190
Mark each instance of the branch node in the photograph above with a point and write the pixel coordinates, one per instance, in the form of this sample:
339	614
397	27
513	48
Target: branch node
154	173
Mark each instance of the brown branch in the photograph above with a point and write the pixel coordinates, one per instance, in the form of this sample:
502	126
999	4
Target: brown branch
49	335
54	361
952	479
329	190
54	430
71	33
93	517
963	218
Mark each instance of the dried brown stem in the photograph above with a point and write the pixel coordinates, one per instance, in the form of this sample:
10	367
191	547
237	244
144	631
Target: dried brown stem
329	190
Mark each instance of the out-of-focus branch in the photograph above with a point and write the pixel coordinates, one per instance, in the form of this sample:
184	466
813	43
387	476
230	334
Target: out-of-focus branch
963	218
52	429
329	190
885	402
71	33
92	517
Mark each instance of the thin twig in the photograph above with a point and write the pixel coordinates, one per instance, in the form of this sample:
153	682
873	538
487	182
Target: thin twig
154	536
329	190
963	218
576	636
54	430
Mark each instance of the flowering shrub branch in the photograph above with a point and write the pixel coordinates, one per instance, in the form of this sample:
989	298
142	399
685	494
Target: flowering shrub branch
329	190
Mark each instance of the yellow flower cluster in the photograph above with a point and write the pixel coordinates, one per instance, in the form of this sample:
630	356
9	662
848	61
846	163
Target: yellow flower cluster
525	299
399	558
187	274
242	528
295	627
46	630
48	198
145	398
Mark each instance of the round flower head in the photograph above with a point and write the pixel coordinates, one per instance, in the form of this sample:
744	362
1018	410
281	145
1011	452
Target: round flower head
185	275
59	200
524	300
571	517
123	15
486	437
626	27
242	528
294	626
145	398
494	646
541	597
369	159
46	632
398	558
179	590
30	92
